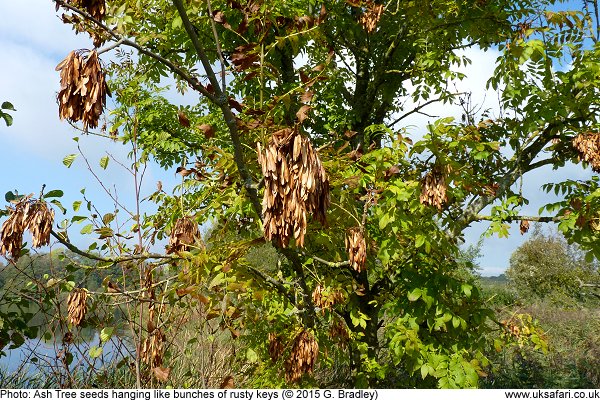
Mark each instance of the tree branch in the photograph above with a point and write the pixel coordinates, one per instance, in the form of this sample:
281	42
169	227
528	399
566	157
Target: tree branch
276	284
522	163
415	110
114	260
189	28
221	100
194	83
520	218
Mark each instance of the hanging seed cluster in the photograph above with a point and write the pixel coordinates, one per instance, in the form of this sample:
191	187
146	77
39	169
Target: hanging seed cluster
96	8
339	332
83	89
275	346
325	300
357	249
303	357
39	219
35	216
371	16
433	189
588	146
77	306
153	348
184	233
295	185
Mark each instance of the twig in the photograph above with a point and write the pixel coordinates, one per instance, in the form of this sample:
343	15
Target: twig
110	47
416	110
218	44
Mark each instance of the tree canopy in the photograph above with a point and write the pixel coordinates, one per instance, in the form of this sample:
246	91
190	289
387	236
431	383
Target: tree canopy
296	149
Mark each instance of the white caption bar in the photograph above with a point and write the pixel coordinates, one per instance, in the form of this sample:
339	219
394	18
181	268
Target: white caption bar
297	394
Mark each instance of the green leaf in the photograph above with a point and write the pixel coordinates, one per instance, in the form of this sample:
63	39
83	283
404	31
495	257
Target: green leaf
54	193
420	240
95	351
108	218
104	162
9	196
455	322
177	22
7	118
385	220
78	218
8	106
76	205
59	205
217	280
424	371
86	230
466	288
106	334
415	294
68	160
251	356
104	232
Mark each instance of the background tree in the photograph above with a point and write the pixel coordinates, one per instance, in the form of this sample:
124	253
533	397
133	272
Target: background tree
545	266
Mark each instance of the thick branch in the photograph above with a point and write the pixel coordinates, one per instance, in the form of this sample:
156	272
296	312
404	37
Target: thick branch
189	28
331	263
519	218
221	100
276	284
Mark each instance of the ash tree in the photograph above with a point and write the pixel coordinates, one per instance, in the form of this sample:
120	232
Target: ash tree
297	149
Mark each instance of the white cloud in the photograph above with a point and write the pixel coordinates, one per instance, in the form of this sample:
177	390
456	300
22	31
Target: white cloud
35	24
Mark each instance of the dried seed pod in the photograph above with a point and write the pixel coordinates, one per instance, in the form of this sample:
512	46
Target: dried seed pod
296	185
11	234
184	233
588	147
325	299
39	220
303	357
371	16
357	249
317	296
83	89
339	332
152	349
433	189
275	346
96	8
524	226
76	305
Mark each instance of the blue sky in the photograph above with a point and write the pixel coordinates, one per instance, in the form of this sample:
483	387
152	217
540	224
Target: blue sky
33	148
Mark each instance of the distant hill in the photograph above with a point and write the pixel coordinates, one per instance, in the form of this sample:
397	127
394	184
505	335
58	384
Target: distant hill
495	279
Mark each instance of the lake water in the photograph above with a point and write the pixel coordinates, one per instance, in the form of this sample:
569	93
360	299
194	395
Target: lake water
48	356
